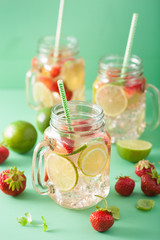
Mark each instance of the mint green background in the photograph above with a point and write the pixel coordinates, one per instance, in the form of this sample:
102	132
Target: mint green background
101	27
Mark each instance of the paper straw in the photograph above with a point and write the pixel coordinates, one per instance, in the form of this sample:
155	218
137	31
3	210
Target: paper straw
59	28
64	103
129	43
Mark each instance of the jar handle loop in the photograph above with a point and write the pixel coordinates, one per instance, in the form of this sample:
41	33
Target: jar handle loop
38	156
30	80
154	93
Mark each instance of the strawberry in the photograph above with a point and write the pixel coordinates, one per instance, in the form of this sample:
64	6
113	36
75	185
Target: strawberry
56	89
55	71
142	167
150	183
34	62
81	125
12	181
125	186
4	153
47	82
64	145
132	86
101	220
69	93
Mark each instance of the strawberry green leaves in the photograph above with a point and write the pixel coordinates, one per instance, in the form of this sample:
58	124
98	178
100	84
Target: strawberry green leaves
145	204
28	219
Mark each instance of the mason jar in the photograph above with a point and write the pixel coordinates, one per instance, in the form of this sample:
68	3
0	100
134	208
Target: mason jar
72	163
123	97
41	79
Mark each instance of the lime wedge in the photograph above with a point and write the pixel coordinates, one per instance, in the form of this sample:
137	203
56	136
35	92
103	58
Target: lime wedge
112	99
93	159
133	150
42	95
62	172
145	204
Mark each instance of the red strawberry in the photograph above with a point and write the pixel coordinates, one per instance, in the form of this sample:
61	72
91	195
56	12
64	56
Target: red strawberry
150	183
55	71
132	86
124	186
4	153
64	145
12	181
47	82
69	93
81	125
101	220
142	167
34	62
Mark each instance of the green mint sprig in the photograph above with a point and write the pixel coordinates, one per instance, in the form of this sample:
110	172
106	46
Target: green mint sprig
28	219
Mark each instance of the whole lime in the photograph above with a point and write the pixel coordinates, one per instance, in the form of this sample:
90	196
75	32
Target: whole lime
43	118
20	136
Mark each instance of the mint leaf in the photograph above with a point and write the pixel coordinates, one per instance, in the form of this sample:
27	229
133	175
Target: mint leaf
29	217
44	224
115	212
145	204
22	220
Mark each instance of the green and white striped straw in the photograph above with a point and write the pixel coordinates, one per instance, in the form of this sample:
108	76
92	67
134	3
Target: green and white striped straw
64	103
129	44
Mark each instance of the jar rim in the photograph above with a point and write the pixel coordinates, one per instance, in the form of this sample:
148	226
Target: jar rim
46	44
113	65
92	112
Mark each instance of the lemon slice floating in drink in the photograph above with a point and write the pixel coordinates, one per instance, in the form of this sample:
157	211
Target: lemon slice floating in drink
62	172
42	95
112	99
93	159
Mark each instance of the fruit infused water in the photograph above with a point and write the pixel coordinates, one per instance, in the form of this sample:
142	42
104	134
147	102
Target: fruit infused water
123	98
76	156
41	79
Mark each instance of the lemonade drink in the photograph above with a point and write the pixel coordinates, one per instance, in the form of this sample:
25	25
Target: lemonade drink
41	79
76	161
122	97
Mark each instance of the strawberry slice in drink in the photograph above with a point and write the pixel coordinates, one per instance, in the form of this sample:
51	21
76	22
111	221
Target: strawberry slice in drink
133	86
55	71
82	125
64	145
47	81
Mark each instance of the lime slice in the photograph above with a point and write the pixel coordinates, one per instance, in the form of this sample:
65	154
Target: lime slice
145	204
42	95
74	74
93	159
78	150
112	99
133	150
62	172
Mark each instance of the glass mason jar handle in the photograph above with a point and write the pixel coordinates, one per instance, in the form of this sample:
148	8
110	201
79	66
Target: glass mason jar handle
30	79
154	92
38	155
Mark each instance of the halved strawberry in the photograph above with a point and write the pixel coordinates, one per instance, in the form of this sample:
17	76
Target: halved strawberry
83	126
133	86
47	82
64	145
55	71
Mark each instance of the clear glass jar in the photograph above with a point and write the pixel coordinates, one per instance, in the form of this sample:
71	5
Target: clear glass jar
122	97
76	157
41	79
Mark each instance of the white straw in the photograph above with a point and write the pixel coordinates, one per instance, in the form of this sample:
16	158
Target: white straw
129	43
58	32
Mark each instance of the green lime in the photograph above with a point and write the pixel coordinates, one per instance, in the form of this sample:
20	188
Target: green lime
145	204
133	150
20	136
43	118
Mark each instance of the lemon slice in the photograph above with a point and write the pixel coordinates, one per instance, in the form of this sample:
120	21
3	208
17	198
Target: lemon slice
42	95
74	74
62	172
93	159
112	99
